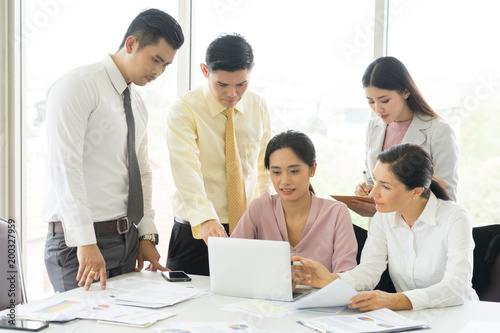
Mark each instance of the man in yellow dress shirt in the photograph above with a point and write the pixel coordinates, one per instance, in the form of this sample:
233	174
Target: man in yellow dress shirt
196	143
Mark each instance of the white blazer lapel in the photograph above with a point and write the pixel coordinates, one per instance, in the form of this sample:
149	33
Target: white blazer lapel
377	136
414	133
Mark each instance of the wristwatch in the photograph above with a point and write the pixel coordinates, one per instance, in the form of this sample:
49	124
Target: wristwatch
150	237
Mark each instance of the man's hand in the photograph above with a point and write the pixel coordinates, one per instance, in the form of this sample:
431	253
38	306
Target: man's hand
374	300
148	252
92	266
212	228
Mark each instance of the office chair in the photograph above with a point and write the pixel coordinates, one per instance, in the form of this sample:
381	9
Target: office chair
385	283
12	286
486	273
361	235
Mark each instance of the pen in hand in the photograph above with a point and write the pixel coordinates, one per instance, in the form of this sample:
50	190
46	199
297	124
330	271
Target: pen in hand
368	181
363	189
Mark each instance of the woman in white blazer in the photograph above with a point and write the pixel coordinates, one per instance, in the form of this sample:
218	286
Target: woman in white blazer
403	116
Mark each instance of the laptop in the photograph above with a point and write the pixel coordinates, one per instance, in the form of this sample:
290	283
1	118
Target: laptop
251	268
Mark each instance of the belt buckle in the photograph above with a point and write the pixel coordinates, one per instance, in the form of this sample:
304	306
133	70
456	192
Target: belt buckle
119	224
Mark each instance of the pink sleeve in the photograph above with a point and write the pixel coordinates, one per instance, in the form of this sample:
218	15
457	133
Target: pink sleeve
345	245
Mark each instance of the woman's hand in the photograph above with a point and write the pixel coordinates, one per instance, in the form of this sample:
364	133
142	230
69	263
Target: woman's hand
364	208
362	189
312	273
377	299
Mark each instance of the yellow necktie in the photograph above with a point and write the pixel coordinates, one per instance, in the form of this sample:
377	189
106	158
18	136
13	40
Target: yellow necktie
236	197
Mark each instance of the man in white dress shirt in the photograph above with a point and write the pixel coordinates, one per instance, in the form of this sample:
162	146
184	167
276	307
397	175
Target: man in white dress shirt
90	236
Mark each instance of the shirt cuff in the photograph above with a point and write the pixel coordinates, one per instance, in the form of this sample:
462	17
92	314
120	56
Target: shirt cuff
197	234
199	216
197	219
146	227
418	299
79	235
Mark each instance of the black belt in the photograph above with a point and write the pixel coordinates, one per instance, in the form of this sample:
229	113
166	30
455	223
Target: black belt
181	221
119	226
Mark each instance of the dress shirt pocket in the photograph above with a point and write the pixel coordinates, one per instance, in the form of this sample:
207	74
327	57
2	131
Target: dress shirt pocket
250	156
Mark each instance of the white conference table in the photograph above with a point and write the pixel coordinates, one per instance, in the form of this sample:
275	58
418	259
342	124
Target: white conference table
209	308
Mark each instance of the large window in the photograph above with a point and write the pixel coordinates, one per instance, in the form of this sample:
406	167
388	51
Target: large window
451	49
309	59
60	36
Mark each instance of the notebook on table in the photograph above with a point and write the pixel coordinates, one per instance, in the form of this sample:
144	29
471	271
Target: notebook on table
251	268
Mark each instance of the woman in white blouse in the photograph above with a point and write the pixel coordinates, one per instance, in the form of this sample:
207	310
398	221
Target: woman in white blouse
403	115
424	238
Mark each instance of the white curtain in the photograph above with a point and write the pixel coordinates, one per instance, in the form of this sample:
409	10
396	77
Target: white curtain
10	111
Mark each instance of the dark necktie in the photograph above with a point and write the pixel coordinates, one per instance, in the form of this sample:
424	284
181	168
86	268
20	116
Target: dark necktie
135	208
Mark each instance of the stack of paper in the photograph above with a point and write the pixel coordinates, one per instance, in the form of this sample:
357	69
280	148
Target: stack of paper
213	327
383	320
57	308
158	295
123	315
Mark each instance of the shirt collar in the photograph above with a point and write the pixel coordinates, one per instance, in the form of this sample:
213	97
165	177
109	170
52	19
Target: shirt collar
427	216
114	74
214	107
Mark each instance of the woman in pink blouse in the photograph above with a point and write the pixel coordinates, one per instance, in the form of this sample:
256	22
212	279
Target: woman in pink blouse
316	228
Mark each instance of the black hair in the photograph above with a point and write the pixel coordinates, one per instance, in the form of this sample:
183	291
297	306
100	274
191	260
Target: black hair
412	165
229	53
389	73
298	142
151	25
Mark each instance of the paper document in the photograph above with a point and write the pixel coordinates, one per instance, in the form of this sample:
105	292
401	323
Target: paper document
260	308
212	327
58	308
383	320
116	314
55	308
347	199
129	283
337	293
158	295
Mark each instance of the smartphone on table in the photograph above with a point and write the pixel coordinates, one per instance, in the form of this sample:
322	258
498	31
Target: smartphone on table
175	276
23	324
